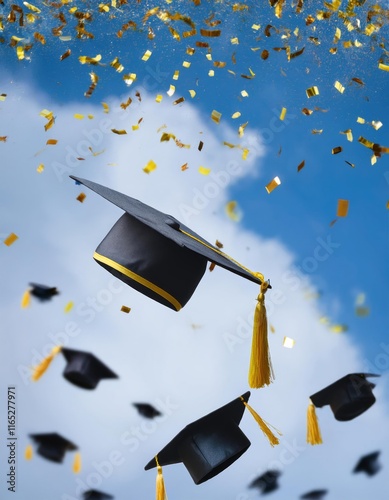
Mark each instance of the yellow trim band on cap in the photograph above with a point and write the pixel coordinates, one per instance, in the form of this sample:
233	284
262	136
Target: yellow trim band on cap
215	249
138	279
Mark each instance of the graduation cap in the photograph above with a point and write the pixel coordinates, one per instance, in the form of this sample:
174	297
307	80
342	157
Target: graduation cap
83	369
42	292
315	494
147	410
267	482
165	260
368	464
53	447
348	398
209	445
96	495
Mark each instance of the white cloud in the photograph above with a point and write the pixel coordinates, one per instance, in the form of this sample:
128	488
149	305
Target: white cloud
197	358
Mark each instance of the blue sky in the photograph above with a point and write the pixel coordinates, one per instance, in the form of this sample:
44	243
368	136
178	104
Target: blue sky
280	231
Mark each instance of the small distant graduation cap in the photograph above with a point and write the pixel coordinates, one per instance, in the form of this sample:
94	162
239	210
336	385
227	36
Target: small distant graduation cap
163	259
315	494
147	410
96	495
209	445
348	398
267	482
368	464
53	447
41	292
83	369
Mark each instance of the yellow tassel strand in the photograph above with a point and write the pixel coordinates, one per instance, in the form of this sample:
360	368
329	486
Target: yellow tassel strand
77	463
26	299
313	429
273	440
261	370
160	483
43	366
28	452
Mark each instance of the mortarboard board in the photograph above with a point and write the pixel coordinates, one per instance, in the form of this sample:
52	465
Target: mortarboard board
147	410
96	495
209	445
368	464
267	482
83	369
315	494
42	292
53	447
165	260
348	398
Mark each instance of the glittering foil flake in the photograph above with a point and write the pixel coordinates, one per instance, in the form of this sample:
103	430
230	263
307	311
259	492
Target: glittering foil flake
235	115
283	114
129	79
384	67
151	165
119	132
10	240
81	197
186	64
204	170
342	209
192	93
339	87
69	306
244	93
215	115
40	168
312	91
301	166
288	342
348	133
232	210
336	150
146	55
273	184
171	90
125	309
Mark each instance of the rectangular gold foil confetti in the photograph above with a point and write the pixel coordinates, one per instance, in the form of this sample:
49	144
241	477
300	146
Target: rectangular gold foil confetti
384	67
288	342
146	55
68	307
215	115
273	184
119	132
171	90
125	309
40	168
10	240
151	165
342	208
312	91
301	166
283	114
339	87
81	197
204	170
337	150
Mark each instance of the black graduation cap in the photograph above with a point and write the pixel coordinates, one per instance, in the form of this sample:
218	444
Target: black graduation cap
368	464
209	445
147	410
52	446
155	253
267	482
43	292
84	370
96	495
348	397
315	494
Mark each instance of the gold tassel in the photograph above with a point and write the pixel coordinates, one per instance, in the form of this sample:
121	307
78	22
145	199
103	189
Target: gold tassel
261	370
26	299
313	429
160	483
273	440
43	366
77	463
28	452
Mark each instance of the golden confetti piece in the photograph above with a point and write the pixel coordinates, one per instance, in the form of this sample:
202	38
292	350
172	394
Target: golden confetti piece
242	128
384	67
31	7
283	114
20	52
272	329
358	80
119	132
65	38
342	208
125	309
232	211
210	33
28	452
306	111
200	146
360	120
376	124
301	166
105	107
65	55
116	64
235	41
90	60
348	134
151	165
264	54
338	328
366	142
316	131
90	117
273	184
192	93
81	197
68	307
209	57
40	38
26	299
135	127
211	73
336	150
337	35
171	90
40	168
186	64
243	93
245	153
3	138
312	91
3	97
339	87
51	142
373	159
176	75
288	342
10	240
235	115
78	116
129	79
158	98
204	170
256	27
215	115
